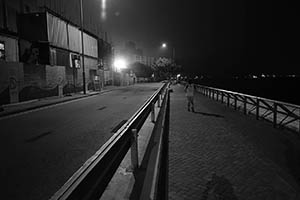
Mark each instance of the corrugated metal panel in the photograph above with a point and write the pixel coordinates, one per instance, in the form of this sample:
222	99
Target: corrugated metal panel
74	38
62	58
90	63
57	31
90	45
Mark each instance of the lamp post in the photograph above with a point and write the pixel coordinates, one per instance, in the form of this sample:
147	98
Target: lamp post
165	46
82	47
172	64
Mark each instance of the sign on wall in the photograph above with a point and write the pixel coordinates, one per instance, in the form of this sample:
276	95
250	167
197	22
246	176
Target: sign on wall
2	50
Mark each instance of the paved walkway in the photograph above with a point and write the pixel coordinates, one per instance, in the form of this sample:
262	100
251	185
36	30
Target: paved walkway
11	109
219	153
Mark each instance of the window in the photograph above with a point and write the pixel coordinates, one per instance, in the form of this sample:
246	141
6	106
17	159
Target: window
2	50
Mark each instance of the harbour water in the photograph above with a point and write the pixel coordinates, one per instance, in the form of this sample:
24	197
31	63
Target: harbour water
284	89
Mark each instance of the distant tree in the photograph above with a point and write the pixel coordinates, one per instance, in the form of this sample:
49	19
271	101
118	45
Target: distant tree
165	68
141	70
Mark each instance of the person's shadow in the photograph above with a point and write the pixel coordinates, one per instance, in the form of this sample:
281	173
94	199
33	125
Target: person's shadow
219	187
209	114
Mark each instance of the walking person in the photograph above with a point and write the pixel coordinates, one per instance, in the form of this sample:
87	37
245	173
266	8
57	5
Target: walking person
189	93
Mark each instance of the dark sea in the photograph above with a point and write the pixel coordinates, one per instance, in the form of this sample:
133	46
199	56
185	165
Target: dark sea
284	89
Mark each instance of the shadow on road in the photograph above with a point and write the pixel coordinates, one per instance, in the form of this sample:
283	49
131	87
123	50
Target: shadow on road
209	114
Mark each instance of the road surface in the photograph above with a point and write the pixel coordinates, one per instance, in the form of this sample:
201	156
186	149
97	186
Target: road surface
40	150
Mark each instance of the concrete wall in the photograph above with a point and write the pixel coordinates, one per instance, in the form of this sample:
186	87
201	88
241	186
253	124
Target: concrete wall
20	82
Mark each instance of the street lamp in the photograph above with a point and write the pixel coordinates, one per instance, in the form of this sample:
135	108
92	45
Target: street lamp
165	46
120	64
82	46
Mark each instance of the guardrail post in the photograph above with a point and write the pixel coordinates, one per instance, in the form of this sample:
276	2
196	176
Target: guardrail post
153	112
245	105
275	115
217	95
257	108
134	150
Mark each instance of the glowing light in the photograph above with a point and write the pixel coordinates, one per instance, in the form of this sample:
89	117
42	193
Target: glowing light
178	75
164	45
103	9
120	64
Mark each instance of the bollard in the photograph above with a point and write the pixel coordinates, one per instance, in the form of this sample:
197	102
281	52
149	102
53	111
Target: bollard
153	112
134	149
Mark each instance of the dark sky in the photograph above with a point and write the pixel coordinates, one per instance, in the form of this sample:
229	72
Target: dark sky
212	36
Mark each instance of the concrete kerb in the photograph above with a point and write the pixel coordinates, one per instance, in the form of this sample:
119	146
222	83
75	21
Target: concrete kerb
56	101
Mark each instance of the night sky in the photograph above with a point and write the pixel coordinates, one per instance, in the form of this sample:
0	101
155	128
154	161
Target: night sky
212	37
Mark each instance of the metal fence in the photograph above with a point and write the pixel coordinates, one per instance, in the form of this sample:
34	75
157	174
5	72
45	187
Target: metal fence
281	114
91	180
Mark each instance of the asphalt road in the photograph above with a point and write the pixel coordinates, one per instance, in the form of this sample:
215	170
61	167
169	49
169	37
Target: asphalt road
40	150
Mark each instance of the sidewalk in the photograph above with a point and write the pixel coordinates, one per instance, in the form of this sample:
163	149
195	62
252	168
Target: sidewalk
11	109
219	153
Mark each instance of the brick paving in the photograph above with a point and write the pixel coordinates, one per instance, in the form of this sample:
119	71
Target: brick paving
219	153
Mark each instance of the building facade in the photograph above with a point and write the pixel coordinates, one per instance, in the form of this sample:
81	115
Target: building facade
40	49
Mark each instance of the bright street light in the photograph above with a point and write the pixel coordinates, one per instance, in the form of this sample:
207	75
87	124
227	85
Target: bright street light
120	64
164	45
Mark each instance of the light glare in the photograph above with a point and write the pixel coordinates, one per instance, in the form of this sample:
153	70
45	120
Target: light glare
120	64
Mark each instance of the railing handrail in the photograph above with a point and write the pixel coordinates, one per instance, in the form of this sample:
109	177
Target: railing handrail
251	96
107	158
282	114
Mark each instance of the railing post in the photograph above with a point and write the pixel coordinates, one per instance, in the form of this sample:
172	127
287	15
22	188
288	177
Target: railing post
228	99
222	97
245	105
217	95
134	149
158	100
257	108
275	115
153	112
235	102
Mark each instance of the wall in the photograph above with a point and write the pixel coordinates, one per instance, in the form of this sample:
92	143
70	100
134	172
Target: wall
11	49
10	70
33	81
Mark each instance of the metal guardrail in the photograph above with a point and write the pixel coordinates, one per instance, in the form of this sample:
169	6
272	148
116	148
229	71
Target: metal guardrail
91	180
281	114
